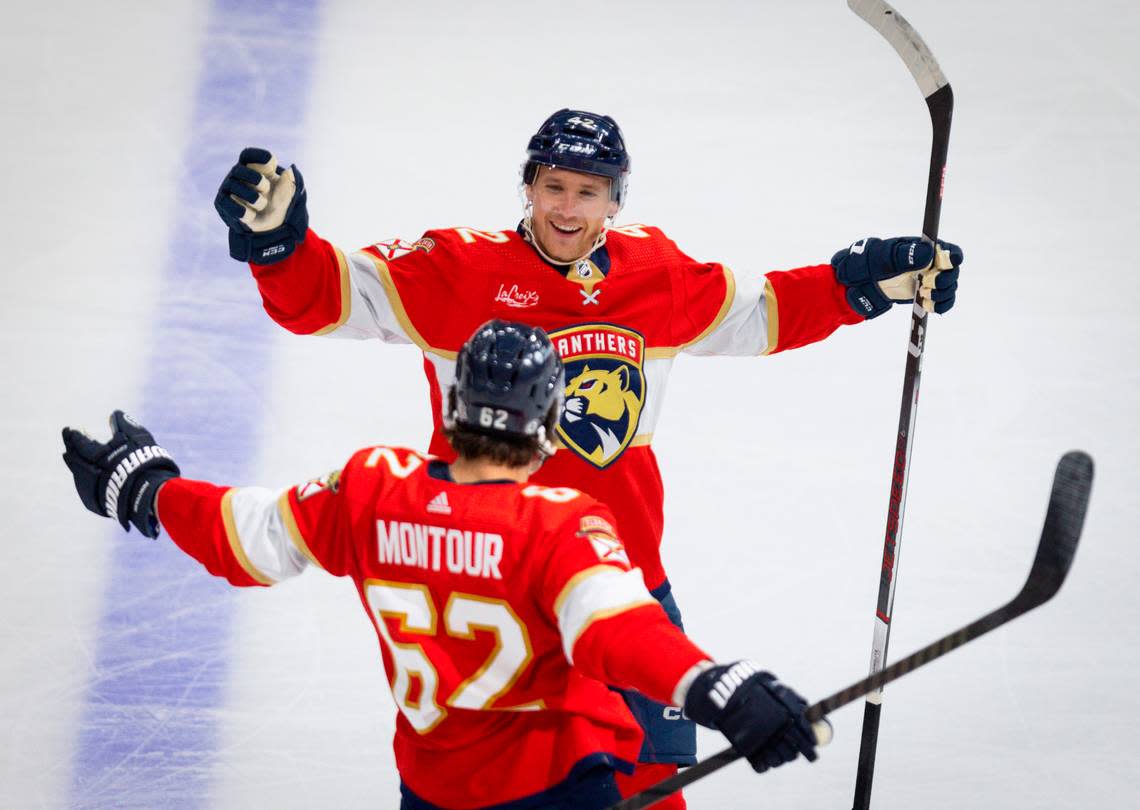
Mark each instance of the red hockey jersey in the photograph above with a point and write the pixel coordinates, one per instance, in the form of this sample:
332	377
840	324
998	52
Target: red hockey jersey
618	328
500	608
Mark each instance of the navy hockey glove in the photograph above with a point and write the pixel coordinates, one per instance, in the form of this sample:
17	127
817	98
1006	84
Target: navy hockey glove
121	477
879	272
264	206
762	718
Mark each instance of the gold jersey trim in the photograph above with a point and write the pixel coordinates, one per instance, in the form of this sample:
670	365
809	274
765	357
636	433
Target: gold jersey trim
597	615
235	541
401	314
345	296
609	613
773	317
665	352
293	530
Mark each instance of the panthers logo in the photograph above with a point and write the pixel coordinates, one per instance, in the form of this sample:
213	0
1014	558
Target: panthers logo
605	390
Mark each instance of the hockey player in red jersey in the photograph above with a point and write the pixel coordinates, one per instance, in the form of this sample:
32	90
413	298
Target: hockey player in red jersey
501	606
619	302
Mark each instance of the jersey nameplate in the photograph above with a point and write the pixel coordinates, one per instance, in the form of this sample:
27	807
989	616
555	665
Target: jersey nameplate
435	548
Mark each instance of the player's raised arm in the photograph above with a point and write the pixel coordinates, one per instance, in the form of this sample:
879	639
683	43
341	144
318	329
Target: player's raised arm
249	535
307	285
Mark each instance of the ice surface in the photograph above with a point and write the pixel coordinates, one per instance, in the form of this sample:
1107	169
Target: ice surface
764	135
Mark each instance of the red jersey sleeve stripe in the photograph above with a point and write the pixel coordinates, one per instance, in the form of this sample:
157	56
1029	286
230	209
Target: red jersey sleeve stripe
285	509
805	305
617	651
190	512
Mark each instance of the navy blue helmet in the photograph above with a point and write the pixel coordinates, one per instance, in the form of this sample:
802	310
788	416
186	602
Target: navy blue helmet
582	142
507	377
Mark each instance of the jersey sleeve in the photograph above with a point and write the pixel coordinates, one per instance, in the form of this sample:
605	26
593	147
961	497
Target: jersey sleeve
257	536
611	626
235	532
320	289
768	314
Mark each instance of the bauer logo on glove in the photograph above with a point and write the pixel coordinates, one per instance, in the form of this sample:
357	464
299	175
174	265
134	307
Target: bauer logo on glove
120	478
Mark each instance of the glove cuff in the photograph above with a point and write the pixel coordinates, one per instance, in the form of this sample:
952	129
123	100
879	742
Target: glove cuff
868	300
269	247
708	697
143	514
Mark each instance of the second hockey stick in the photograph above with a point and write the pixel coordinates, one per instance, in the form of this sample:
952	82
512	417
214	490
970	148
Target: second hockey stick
1064	520
940	101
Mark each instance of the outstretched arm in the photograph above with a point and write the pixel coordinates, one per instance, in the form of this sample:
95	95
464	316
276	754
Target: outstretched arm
249	535
791	308
307	285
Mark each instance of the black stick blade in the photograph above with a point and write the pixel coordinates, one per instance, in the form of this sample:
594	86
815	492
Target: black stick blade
1064	520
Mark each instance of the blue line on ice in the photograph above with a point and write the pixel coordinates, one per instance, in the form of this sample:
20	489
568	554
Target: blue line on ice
148	730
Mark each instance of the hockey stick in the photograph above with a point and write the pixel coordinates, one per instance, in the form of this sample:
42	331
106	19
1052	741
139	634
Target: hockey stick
940	101
1064	519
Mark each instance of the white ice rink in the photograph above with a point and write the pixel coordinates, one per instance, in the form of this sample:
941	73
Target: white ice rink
765	135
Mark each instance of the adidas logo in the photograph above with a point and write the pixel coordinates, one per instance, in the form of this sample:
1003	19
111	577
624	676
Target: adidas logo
439	504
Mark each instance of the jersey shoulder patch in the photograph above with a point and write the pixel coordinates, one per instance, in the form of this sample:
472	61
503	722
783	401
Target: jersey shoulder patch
603	539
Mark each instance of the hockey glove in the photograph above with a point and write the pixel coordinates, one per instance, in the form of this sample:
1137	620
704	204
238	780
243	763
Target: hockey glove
264	206
120	478
879	272
762	718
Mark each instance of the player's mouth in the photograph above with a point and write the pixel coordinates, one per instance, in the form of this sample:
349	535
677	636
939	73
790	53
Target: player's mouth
566	230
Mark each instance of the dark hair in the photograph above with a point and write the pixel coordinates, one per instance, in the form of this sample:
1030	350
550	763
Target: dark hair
513	451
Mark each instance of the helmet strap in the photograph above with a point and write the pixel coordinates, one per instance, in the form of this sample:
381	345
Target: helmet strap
527	224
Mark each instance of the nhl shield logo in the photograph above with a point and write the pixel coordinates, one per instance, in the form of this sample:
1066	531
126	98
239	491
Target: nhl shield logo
605	389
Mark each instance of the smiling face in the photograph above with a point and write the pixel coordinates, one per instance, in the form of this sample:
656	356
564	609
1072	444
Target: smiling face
569	210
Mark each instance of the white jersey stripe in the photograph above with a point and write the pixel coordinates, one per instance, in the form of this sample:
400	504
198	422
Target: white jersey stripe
258	536
595	594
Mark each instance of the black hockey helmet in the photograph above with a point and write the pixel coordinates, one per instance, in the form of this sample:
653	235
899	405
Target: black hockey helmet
582	142
507	377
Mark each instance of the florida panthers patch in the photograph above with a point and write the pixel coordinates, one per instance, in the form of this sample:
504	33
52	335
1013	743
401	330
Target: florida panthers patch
329	482
605	389
395	248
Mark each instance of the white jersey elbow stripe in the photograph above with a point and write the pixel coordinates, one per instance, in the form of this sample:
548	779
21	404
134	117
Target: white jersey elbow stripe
234	537
597	593
263	545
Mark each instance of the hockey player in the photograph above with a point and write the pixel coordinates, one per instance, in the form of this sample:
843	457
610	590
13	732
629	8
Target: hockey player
619	303
500	607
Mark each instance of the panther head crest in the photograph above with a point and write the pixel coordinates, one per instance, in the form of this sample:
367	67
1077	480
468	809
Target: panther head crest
604	400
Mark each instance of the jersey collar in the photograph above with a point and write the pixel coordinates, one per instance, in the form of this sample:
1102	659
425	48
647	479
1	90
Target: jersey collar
600	258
